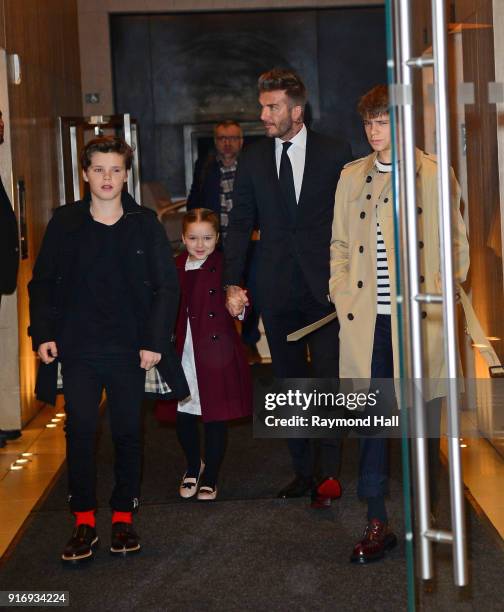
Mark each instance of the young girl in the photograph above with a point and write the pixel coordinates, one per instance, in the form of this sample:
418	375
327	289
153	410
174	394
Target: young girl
212	357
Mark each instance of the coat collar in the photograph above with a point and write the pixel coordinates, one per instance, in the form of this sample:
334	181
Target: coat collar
210	263
75	214
369	169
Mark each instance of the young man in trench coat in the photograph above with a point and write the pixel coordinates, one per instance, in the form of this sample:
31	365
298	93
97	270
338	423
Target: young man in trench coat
362	287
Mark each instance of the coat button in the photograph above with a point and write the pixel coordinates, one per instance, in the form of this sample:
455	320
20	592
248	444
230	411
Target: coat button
211	315
147	283
212	269
420	245
424	315
385	200
368	179
350	316
368	197
422	279
360	284
215	337
361	249
58	280
211	291
419	210
139	252
363	215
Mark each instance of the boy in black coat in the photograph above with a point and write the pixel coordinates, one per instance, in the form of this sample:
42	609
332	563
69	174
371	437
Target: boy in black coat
103	303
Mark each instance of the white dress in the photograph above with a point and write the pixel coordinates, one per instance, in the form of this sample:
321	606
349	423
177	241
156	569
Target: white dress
191	404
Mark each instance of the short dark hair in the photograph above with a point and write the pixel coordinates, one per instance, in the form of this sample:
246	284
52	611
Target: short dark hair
106	144
200	215
374	103
227	123
285	80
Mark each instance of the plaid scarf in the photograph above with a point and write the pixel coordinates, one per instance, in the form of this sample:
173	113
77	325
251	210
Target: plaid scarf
154	382
227	178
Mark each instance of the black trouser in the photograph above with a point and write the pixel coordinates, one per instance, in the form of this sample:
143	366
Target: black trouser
215	445
320	457
84	379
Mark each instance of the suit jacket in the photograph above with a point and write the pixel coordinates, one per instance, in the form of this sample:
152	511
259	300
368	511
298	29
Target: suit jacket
205	189
9	254
148	269
286	244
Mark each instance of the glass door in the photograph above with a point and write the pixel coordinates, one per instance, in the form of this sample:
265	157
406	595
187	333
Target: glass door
446	74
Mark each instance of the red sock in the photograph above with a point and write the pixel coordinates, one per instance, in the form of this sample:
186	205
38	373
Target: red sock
122	517
85	518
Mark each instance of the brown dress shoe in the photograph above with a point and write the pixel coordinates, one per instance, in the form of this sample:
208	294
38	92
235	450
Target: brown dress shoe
376	541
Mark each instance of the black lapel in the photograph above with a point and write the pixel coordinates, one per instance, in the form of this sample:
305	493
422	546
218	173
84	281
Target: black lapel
310	168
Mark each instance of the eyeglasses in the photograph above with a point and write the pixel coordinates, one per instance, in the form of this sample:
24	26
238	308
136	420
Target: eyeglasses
230	138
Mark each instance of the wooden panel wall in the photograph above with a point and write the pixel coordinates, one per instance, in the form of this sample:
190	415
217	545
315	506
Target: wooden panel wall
483	175
45	35
482	159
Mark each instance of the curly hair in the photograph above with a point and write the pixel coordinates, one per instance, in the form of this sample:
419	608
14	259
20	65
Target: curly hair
374	103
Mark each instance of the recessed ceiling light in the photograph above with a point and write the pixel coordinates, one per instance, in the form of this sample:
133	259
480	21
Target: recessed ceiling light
26	454
16	467
50	425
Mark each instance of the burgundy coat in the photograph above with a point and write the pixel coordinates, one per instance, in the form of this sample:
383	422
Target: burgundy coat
224	381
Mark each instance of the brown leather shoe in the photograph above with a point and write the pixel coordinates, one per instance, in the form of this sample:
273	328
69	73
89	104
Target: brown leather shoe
376	541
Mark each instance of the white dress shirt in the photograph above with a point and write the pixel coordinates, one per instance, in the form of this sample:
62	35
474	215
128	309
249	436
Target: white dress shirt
297	156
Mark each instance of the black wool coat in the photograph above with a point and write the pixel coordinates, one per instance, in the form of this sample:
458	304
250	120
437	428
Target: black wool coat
205	190
9	245
148	269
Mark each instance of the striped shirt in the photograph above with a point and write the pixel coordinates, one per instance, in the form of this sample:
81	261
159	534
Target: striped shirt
382	272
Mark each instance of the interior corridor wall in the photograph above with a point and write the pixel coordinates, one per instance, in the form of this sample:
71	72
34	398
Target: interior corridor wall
45	36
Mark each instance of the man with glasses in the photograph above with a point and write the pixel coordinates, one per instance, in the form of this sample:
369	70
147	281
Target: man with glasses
214	176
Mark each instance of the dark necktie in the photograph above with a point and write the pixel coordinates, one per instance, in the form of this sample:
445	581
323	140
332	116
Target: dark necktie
286	179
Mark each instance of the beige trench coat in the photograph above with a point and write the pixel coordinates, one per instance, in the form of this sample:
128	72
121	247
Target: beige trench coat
352	284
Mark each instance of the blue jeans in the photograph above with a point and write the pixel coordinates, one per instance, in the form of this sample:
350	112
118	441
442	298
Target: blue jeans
373	462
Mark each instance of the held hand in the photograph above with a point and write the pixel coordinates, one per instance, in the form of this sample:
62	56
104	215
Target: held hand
148	359
47	351
236	300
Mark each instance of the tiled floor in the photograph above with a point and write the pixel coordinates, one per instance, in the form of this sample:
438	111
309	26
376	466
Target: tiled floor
20	490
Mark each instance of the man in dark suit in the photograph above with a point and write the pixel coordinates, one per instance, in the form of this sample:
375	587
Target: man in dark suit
289	180
9	256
